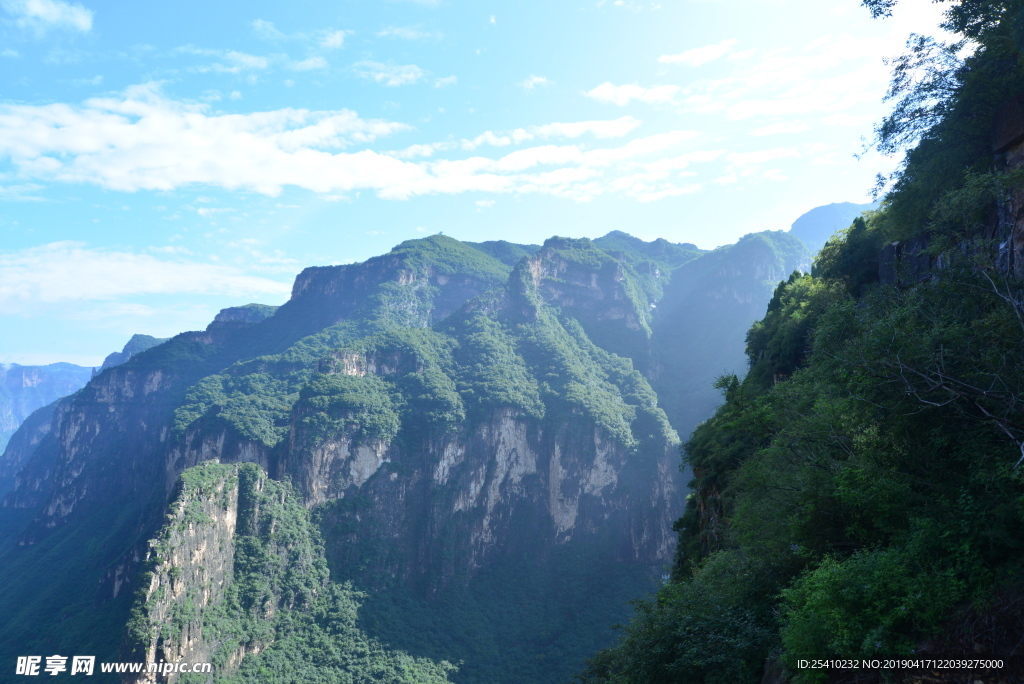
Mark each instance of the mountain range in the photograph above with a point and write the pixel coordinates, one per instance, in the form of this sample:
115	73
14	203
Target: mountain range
476	442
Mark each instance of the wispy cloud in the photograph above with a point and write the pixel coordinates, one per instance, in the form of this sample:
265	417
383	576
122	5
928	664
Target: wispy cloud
266	30
333	39
232	61
240	60
532	81
701	55
408	33
389	74
446	81
615	128
624	94
826	77
70	271
326	38
781	127
145	141
45	14
309	64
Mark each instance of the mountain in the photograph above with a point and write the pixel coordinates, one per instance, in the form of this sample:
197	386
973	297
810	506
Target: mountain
469	433
137	343
26	390
23	389
819	224
700	325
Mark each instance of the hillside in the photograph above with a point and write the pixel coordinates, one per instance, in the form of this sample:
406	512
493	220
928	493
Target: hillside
859	494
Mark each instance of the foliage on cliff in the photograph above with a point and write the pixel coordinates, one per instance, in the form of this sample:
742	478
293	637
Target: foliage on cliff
276	606
480	360
857	492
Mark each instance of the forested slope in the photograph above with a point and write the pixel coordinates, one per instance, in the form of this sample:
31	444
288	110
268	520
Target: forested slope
860	494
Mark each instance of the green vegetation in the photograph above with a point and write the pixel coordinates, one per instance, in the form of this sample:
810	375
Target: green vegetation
254	398
528	619
860	494
278	600
508	253
856	489
45	583
448	256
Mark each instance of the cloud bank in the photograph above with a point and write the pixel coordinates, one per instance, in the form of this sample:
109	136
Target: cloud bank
145	141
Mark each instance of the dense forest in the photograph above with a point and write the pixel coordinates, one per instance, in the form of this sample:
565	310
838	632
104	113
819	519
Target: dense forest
859	494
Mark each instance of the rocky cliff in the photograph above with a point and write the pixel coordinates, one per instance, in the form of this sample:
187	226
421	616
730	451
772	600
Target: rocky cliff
238	572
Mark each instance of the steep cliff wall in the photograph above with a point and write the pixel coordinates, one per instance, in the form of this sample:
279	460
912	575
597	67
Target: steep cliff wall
236	578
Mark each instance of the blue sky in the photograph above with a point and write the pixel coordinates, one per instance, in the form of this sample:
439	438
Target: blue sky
160	161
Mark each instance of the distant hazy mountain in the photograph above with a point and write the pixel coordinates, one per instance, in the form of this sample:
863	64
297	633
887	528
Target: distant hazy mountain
26	389
816	226
23	389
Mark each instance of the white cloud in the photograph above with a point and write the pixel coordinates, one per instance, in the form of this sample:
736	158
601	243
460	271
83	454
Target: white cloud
23	192
9	53
333	39
532	81
421	150
487	138
701	55
389	74
831	76
446	81
616	128
407	33
43	14
761	156
69	271
624	94
212	211
144	141
309	64
325	38
236	62
241	60
266	30
781	127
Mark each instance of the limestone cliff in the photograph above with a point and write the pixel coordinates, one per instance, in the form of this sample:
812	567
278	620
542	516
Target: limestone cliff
237	572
